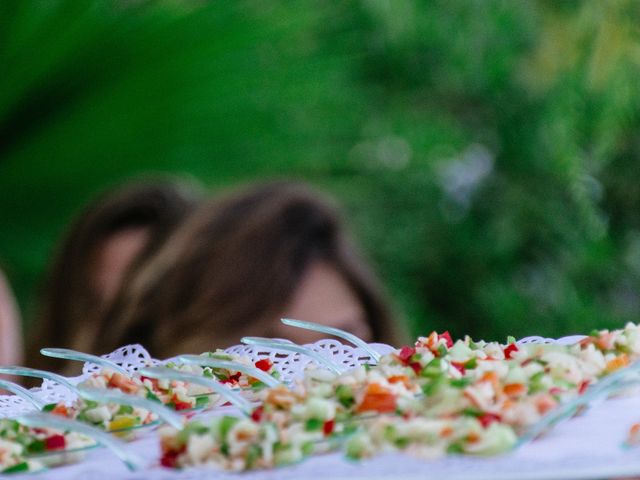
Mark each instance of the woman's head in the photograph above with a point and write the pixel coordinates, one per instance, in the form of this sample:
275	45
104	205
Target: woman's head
112	236
240	263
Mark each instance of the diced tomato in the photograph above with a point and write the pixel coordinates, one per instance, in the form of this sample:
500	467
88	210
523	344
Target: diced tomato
405	354
55	442
511	348
328	426
447	337
544	403
605	341
378	399
182	405
257	414
265	364
459	366
487	419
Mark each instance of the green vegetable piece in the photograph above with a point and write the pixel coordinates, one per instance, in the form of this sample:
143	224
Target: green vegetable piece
313	424
20	467
202	401
37	446
125	410
253	455
48	407
461	382
152	396
226	424
344	394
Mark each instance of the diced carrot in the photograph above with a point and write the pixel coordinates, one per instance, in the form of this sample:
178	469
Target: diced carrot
60	409
618	362
123	383
491	377
446	432
378	399
400	379
473	437
514	389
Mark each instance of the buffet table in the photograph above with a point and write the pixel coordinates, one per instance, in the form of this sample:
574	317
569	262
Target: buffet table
585	447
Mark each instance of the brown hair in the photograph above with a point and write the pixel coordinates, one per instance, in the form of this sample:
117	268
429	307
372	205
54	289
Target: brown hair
235	263
70	304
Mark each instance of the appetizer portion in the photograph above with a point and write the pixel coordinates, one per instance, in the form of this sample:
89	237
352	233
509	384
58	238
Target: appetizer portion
432	398
25	449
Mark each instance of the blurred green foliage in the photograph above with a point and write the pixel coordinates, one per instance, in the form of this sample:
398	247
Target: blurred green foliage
487	151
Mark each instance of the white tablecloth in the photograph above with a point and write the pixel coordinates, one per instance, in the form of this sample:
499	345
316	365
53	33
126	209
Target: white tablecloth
584	447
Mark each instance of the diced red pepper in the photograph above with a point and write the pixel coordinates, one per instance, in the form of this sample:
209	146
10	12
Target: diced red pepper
327	427
169	458
55	442
447	336
235	378
416	367
257	414
487	419
508	352
405	354
583	386
182	405
555	390
265	364
459	366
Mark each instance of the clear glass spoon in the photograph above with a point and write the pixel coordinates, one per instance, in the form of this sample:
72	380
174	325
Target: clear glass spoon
22	392
230	365
68	354
102	395
605	387
171	374
130	459
292	347
349	337
32	372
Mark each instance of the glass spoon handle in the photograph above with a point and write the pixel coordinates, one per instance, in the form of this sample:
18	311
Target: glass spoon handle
22	393
292	347
32	372
68	354
103	395
217	387
230	365
349	337
124	453
606	386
